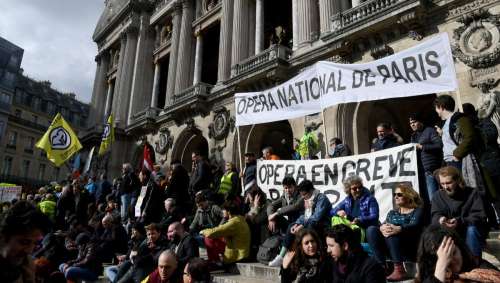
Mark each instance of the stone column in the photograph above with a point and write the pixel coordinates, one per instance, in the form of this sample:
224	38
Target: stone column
99	93
240	32
259	26
109	101
308	27
183	77
174	51
143	71
295	24
119	71
156	85
356	3
327	8
251	27
126	77
198	59
225	41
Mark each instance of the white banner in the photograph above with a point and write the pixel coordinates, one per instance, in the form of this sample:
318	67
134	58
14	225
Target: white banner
381	171
10	193
423	69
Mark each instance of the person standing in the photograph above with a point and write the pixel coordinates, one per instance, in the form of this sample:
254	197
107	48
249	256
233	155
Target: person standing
200	176
249	173
129	186
429	151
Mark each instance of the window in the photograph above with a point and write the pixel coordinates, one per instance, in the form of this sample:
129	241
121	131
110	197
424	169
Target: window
7	165
36	103
41	172
4	97
30	144
18	113
43	106
50	108
26	168
35	119
13	138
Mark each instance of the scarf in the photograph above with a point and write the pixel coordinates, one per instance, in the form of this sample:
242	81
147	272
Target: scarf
309	204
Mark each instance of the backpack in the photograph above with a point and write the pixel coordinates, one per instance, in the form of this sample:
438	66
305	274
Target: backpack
269	249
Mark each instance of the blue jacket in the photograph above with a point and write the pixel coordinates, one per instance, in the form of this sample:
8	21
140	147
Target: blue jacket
368	207
319	216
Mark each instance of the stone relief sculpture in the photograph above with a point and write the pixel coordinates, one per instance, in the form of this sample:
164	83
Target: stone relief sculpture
222	124
489	107
165	141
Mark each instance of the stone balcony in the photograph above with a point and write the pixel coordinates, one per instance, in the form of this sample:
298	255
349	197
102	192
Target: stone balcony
143	121
190	102
368	15
269	59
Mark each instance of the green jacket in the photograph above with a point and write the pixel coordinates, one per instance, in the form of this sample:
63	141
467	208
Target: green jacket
237	235
48	207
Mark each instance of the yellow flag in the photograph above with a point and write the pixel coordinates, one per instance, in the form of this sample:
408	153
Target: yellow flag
108	136
59	142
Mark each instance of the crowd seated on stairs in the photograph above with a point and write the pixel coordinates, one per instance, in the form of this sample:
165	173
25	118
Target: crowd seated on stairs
158	235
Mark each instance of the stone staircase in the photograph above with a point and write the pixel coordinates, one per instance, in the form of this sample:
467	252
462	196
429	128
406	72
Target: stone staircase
259	273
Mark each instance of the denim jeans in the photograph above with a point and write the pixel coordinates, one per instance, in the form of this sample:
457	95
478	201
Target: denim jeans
75	273
111	272
431	184
392	244
473	239
125	204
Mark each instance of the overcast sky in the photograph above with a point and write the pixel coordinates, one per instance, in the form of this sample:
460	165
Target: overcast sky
56	36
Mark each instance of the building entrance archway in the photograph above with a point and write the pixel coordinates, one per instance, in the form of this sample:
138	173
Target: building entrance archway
189	141
278	135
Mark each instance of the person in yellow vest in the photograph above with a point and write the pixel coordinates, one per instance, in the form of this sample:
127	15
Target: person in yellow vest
235	232
48	206
229	183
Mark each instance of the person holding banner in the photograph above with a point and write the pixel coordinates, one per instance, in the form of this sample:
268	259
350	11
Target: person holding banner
429	150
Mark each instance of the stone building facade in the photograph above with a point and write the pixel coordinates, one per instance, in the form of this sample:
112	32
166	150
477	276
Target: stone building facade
168	70
29	107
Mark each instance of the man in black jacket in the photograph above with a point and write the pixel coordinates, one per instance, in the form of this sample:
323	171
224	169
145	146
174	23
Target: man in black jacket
182	244
249	173
128	189
429	151
460	208
201	176
348	262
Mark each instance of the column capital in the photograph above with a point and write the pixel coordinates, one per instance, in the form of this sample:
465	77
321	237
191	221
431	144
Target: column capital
131	30
98	58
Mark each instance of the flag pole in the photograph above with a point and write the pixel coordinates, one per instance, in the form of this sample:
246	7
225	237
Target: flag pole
324	128
239	154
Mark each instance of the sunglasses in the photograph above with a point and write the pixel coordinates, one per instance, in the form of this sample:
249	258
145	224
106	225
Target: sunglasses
399	195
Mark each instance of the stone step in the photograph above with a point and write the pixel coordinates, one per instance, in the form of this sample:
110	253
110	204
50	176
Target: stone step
494	235
259	271
237	278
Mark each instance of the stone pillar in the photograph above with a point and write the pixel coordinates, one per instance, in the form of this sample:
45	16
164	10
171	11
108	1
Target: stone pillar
156	85
174	51
99	93
183	77
198	59
240	32
327	8
119	71
125	80
225	41
307	20
251	27
143	71
109	101
295	24
356	3
259	26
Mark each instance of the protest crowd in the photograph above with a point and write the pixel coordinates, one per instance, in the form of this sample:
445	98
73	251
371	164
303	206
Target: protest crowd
149	226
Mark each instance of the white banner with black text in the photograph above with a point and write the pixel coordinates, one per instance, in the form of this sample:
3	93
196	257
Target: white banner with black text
423	69
380	171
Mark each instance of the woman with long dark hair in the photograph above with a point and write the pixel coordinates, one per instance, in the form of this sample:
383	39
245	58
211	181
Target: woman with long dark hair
305	262
444	257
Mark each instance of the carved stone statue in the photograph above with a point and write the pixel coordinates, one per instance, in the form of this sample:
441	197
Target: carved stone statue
489	107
